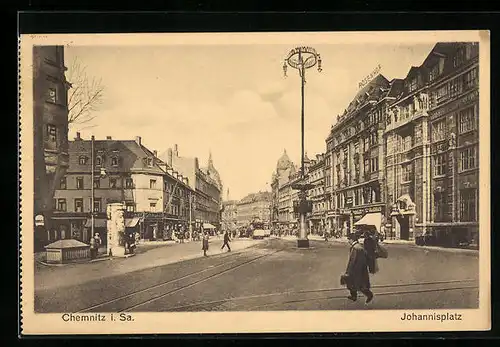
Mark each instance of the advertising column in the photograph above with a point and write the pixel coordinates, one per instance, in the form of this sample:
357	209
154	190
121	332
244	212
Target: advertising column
116	229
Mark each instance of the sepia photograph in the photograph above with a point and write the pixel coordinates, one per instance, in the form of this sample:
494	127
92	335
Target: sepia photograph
261	180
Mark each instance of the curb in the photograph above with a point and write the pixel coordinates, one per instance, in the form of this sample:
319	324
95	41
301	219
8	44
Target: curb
84	261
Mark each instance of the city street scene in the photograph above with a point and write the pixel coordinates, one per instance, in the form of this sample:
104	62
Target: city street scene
262	177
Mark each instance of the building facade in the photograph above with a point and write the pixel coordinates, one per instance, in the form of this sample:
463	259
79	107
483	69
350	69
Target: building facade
230	215
282	200
155	196
50	129
317	194
356	151
432	136
205	182
254	207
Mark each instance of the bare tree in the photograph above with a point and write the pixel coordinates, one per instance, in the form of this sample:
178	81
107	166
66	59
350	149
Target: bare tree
84	96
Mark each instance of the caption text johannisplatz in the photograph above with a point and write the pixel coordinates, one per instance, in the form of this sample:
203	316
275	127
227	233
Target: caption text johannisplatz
432	316
97	317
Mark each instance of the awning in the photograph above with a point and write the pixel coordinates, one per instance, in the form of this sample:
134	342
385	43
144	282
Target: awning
98	223
208	226
131	222
372	219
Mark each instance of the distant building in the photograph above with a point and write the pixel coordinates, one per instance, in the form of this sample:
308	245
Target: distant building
230	214
282	201
206	183
316	177
50	129
255	206
157	198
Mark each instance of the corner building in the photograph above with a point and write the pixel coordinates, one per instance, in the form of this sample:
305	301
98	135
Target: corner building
356	151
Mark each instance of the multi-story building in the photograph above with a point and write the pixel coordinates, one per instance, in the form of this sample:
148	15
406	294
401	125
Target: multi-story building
356	150
50	130
432	140
156	197
316	178
255	206
282	203
206	183
230	214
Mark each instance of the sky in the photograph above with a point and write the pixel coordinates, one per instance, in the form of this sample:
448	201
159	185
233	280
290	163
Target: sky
230	100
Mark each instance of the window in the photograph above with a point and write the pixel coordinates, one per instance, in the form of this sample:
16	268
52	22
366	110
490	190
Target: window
373	138
98	161
97	205
79	205
455	87
82	160
52	95
97	183
406	143
367	166
438	130
470	78
152	184
406	173
152	206
468	204
366	144
52	132
79	183
112	182
62	183
467	119
374	164
150	161
459	57
468	158
440	165
130	206
114	161
439	206
129	183
61	205
413	85
434	73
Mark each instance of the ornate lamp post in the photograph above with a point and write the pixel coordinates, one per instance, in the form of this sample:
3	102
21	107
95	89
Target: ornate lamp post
302	58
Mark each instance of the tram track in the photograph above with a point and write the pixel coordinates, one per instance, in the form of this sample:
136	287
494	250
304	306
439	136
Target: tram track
117	304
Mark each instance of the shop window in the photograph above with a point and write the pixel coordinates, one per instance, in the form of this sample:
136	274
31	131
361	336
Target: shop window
440	165
468	205
468	158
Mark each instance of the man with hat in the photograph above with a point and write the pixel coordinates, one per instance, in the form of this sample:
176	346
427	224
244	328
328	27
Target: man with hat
356	277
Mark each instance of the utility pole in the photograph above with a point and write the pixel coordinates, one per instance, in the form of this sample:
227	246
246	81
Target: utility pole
92	188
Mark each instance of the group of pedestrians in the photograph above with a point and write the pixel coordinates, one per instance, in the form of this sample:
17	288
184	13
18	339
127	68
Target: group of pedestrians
204	244
362	262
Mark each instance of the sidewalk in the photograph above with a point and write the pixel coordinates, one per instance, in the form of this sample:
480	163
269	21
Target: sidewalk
47	277
413	245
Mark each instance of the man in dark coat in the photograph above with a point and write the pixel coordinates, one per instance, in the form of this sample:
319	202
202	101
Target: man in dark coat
204	244
357	277
226	241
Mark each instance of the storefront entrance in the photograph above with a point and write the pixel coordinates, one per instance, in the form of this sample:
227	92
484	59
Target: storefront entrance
403	223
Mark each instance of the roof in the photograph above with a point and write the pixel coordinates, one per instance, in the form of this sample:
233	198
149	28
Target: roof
255	197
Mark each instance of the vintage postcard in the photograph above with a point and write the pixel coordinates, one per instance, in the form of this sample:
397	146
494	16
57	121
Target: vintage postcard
255	182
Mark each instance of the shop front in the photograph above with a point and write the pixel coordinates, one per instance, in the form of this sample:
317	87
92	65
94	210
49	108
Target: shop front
403	217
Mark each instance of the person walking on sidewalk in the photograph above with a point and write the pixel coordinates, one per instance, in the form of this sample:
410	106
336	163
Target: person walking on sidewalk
204	245
226	241
356	277
95	243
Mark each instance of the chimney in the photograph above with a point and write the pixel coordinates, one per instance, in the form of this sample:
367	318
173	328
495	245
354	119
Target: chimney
108	137
176	150
138	140
77	138
169	157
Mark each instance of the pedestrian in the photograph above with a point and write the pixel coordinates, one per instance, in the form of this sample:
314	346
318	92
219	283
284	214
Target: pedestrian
356	277
93	248
204	246
226	241
370	246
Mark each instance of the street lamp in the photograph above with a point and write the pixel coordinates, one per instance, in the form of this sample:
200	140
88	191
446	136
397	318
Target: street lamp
302	58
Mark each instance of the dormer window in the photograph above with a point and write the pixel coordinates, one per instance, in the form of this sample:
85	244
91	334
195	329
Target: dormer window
412	85
459	57
434	73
